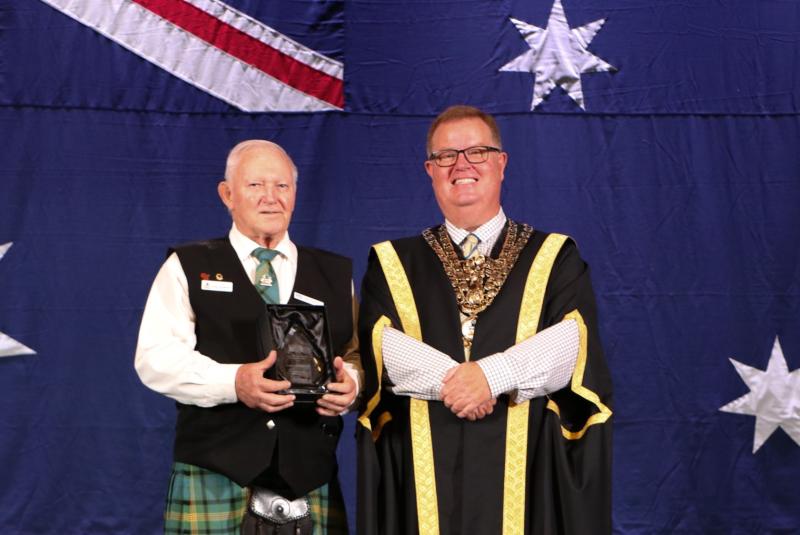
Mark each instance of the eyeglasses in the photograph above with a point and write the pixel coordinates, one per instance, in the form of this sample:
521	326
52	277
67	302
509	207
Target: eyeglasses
448	157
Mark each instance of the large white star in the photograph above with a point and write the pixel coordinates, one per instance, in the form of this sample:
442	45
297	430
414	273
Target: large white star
9	346
774	397
558	55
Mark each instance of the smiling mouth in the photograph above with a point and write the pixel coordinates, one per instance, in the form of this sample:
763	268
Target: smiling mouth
467	180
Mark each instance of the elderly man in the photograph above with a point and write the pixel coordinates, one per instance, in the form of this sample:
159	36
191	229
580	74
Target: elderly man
239	436
486	387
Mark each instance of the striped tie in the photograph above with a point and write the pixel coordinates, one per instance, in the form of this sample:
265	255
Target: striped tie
470	245
266	282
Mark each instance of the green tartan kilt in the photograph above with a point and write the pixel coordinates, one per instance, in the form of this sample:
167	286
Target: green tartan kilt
202	502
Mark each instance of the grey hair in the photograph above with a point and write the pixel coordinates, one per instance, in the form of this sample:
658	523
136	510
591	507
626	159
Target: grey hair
236	154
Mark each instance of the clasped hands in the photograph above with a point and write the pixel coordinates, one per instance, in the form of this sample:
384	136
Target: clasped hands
466	392
258	392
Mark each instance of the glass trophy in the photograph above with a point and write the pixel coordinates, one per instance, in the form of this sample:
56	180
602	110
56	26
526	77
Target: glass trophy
299	334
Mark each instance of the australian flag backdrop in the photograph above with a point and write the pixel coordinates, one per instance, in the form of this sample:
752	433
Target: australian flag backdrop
663	136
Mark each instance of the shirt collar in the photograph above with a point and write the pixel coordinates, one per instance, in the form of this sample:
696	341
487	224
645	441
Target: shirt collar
244	246
487	233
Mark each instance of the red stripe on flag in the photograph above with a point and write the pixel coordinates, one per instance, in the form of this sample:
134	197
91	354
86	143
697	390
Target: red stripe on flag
252	51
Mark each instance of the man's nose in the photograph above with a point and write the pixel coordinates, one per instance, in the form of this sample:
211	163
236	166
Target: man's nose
461	160
268	194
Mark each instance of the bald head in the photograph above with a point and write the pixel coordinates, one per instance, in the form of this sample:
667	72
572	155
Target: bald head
235	155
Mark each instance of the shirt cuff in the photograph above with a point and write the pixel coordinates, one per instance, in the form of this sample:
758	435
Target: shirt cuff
225	390
353	372
498	374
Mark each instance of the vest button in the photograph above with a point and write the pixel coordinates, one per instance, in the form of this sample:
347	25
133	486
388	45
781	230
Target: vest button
270	424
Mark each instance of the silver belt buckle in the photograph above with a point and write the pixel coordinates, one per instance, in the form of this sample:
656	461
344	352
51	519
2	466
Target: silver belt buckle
276	508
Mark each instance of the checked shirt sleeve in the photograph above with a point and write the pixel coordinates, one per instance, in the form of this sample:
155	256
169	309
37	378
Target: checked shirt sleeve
539	365
414	368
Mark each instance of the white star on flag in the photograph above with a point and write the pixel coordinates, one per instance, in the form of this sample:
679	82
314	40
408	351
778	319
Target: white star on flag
774	397
558	55
8	346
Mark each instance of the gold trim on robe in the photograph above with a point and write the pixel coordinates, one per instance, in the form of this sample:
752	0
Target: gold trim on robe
514	475
377	352
421	440
604	413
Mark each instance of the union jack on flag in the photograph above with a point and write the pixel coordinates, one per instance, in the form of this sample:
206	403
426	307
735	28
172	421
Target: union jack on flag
218	49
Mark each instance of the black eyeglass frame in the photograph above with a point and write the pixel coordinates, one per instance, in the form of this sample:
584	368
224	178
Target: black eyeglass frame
434	156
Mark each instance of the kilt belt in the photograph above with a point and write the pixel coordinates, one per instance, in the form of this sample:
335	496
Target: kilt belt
201	501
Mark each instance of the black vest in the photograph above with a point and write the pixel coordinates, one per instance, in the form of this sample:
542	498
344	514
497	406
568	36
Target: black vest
297	451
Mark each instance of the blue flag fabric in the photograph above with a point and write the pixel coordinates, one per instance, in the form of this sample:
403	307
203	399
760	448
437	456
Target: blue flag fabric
665	141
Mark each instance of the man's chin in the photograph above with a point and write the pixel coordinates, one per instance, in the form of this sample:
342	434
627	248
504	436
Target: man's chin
273	231
469	214
272	221
466	203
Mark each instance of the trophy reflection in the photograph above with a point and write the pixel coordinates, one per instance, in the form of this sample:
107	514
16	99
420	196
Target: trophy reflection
299	335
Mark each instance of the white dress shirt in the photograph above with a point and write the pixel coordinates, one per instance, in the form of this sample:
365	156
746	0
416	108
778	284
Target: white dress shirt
166	360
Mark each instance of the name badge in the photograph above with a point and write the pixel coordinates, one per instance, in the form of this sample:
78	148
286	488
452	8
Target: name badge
307	299
216	286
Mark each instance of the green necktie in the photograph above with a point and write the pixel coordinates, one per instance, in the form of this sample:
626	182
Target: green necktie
266	282
469	245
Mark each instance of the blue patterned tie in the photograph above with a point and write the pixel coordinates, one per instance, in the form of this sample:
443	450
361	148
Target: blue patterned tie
266	282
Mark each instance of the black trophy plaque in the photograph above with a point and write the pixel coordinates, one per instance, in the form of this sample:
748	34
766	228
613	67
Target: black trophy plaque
299	334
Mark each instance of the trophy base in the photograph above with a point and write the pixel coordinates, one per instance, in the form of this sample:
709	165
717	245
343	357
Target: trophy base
306	395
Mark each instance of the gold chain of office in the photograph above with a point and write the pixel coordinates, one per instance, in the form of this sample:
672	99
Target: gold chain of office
478	279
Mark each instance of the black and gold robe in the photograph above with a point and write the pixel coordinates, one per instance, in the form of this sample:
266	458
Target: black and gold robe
542	467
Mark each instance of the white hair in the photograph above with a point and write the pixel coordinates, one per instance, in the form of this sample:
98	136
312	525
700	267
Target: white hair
236	154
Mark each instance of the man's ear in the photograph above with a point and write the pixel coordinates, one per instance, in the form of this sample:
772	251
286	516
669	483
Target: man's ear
429	168
224	190
503	162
